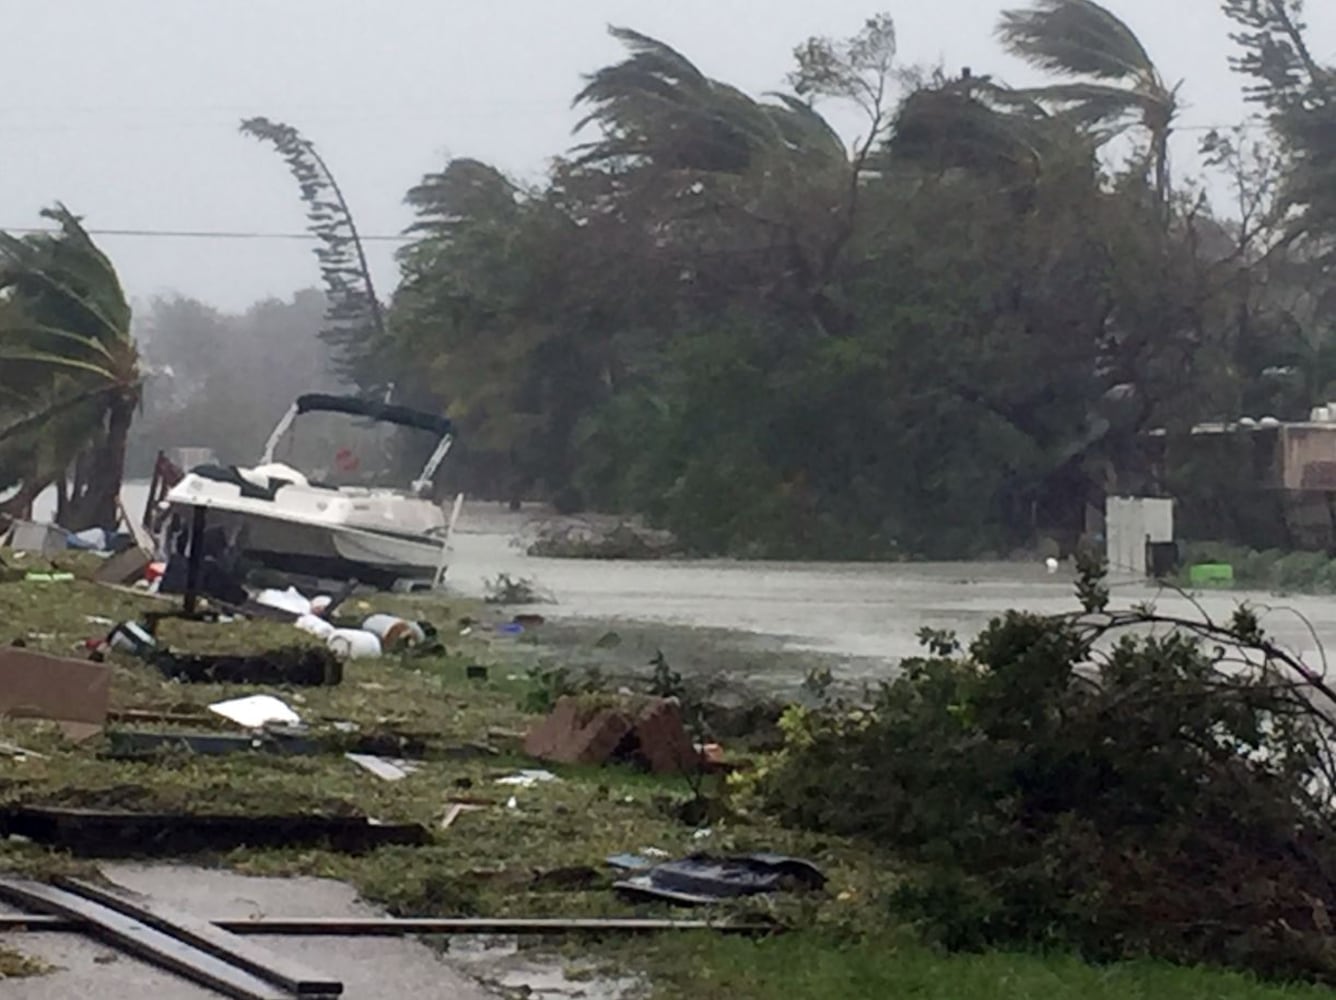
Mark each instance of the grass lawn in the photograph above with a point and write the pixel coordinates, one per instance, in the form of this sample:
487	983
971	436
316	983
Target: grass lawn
816	966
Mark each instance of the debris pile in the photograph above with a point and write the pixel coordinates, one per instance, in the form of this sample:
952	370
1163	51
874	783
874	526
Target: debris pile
593	730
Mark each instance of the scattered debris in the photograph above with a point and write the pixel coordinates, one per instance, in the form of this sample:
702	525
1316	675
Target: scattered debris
112	833
291	600
175	952
10	750
506	589
700	879
456	809
586	540
211	940
313	624
528	779
72	693
388	770
644	731
395	633
37	539
303	666
126	567
256	711
132	744
354	644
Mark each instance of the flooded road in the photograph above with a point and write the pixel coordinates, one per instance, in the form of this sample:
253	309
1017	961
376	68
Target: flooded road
859	611
855	610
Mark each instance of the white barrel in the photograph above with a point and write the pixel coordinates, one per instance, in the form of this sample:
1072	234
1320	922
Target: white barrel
354	644
394	632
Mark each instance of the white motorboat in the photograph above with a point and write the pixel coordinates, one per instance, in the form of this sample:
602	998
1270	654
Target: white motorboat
285	521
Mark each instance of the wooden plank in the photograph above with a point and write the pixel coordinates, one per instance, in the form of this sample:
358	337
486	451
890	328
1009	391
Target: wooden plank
24	922
208	938
117	833
142	941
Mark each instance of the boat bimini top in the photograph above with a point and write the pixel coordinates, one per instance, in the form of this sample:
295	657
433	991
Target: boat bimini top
386	413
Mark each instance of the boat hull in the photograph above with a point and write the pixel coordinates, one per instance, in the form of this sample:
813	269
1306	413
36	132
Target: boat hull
379	538
333	553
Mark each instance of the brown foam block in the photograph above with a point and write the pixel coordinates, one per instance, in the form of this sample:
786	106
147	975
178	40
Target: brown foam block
72	693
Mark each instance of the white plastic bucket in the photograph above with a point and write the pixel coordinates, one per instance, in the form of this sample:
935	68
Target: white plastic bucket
354	644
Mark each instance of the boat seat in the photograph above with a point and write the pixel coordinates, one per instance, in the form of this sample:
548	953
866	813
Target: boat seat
250	489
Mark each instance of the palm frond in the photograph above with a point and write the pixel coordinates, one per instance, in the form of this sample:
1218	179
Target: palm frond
1076	38
657	107
57	362
1095	104
36	422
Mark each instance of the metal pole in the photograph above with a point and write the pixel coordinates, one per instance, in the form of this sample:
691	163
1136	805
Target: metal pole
195	560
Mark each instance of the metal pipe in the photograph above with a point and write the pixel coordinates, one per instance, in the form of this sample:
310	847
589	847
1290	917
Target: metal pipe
425	926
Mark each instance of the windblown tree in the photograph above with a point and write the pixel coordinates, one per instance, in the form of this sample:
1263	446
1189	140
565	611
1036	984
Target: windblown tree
767	183
70	377
1299	95
354	318
1114	84
942	338
1293	329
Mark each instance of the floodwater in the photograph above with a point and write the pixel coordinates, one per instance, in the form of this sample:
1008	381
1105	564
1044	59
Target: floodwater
859	611
854	610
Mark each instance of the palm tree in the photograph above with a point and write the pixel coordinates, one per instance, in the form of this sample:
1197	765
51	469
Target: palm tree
721	172
657	107
69	373
355	321
1115	83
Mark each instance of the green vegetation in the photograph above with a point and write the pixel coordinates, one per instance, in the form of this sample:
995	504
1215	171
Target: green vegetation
69	374
14	965
1273	570
817	966
1073	783
943	340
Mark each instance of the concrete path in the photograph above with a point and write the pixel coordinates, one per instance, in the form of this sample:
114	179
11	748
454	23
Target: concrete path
370	968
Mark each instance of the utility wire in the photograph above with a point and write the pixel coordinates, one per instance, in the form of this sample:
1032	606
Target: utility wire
200	234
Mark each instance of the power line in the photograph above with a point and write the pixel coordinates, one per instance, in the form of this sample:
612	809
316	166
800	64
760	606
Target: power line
201	234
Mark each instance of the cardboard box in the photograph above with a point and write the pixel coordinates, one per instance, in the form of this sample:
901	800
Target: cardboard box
38	539
72	693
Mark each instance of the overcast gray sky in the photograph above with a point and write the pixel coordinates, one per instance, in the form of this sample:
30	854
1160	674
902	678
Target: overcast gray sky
127	109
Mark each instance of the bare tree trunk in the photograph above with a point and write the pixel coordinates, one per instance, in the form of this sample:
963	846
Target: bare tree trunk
101	473
19	506
63	496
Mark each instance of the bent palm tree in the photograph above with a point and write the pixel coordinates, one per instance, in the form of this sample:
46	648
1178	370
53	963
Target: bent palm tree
69	373
1115	85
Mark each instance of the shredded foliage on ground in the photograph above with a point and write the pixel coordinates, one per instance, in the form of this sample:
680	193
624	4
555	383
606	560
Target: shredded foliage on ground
545	857
16	965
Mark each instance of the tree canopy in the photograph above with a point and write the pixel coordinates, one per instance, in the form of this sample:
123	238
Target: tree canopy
944	337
